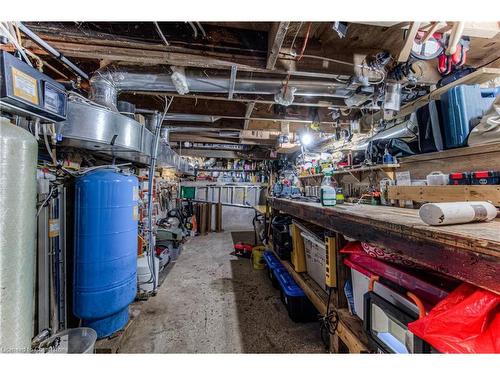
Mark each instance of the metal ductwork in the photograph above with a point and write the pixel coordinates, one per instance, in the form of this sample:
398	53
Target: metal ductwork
106	84
98	129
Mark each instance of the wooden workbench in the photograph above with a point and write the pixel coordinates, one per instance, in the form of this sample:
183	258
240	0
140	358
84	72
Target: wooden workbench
468	252
349	328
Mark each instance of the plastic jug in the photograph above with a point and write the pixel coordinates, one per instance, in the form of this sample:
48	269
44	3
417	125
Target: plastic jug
328	195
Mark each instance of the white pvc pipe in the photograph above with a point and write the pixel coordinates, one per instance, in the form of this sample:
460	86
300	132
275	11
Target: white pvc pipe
457	212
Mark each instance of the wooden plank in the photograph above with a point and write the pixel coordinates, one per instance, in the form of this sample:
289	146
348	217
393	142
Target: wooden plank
349	329
485	157
298	256
112	344
248	114
468	252
448	193
404	54
139	56
351	332
275	42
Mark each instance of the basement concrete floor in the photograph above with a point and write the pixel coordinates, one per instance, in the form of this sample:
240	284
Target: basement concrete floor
213	302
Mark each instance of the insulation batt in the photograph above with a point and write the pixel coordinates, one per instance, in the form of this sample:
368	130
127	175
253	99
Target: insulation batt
457	212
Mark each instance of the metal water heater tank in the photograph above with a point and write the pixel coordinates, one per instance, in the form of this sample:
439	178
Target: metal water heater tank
105	280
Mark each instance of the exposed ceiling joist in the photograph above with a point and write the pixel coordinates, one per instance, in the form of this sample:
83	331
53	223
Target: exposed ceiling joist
404	54
248	114
275	42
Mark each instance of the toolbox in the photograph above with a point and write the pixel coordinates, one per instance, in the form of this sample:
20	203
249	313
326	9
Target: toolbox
299	308
459	178
485	178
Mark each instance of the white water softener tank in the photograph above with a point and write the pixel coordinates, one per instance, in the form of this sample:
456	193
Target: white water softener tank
18	158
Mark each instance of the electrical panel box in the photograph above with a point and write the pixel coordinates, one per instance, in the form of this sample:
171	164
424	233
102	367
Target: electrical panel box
27	92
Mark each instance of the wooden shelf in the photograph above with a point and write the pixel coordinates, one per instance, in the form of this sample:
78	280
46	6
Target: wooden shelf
468	252
387	169
228	170
319	175
472	158
481	75
350	327
367	168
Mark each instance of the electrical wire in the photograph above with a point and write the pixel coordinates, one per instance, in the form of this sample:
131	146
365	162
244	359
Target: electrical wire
49	196
306	38
151	254
160	33
46	141
201	29
295	36
195	31
329	322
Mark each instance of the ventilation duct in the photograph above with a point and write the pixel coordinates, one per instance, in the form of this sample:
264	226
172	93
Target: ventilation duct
107	83
98	129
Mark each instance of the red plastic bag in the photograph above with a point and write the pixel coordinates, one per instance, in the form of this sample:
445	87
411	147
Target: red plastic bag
467	321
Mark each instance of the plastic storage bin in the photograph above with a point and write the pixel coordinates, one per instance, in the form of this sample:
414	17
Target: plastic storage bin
75	340
485	178
437	178
459	178
462	107
299	308
360	278
315	258
273	264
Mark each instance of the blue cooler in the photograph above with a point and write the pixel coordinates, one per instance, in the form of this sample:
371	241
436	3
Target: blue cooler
462	107
299	308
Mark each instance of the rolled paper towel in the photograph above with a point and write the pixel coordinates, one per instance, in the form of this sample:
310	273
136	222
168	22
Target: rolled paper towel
456	212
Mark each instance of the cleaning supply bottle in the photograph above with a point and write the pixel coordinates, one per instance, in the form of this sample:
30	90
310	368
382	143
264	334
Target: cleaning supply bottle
328	195
388	158
339	196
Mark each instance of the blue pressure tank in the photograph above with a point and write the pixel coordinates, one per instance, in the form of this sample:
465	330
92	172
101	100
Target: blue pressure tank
105	281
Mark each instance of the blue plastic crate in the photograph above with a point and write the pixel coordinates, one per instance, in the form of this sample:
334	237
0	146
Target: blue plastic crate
299	308
462	107
273	263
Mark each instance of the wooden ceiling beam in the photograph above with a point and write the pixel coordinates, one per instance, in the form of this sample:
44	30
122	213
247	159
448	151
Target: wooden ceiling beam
248	114
276	38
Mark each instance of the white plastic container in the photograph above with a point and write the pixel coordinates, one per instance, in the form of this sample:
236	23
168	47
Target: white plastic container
315	252
360	283
456	212
75	340
437	178
144	282
328	194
